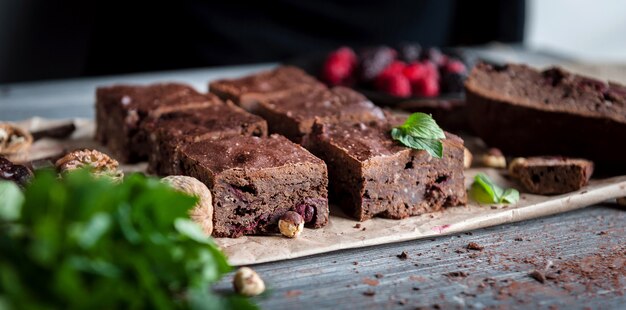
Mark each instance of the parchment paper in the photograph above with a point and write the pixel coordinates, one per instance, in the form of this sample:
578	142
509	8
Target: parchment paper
341	233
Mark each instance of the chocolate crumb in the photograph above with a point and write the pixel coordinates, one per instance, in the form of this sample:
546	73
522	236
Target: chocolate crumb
357	225
404	255
378	275
355	263
402	302
602	233
469	233
369	293
293	293
456	274
370	282
519	239
416	288
364	228
475	246
538	275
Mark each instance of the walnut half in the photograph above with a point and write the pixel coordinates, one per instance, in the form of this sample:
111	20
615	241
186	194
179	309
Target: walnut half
101	163
13	139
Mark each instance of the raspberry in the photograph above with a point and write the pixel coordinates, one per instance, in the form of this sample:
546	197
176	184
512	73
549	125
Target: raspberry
396	85
339	67
395	68
454	66
415	71
426	87
374	61
409	52
431	69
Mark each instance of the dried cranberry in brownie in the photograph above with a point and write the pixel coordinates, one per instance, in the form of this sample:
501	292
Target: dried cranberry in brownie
278	83
551	175
294	116
121	109
256	180
372	175
526	112
169	132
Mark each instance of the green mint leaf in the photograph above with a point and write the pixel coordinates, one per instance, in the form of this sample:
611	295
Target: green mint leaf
484	190
510	195
11	201
421	132
421	125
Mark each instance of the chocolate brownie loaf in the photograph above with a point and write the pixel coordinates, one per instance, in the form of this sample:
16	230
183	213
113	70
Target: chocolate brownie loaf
173	130
294	116
255	180
551	175
121	110
373	175
278	83
526	112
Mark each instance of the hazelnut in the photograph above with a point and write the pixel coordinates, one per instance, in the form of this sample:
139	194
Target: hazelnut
493	158
248	283
467	158
515	165
291	224
101	164
621	201
202	213
14	140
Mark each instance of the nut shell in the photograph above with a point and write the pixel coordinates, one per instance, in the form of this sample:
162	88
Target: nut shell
291	224
101	163
493	159
202	213
14	140
248	283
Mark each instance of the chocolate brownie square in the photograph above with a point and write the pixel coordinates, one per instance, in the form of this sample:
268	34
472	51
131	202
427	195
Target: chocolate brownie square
551	175
278	83
294	116
173	130
373	175
121	110
255	180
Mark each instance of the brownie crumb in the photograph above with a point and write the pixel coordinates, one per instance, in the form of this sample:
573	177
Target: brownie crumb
404	255
293	293
519	239
469	233
369	293
602	233
475	246
364	228
370	282
355	263
457	274
357	226
379	276
416	288
538	275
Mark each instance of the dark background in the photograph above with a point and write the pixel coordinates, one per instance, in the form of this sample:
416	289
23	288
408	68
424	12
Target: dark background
47	39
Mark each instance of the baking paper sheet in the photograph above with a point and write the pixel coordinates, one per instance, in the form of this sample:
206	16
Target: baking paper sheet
341	233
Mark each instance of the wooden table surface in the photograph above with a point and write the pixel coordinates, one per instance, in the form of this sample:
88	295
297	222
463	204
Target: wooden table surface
579	255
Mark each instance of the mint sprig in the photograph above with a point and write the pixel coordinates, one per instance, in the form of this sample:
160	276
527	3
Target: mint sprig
484	190
80	242
421	132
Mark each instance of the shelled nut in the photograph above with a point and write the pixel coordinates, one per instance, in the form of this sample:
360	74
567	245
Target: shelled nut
101	164
515	164
467	158
493	159
14	140
248	283
291	224
202	213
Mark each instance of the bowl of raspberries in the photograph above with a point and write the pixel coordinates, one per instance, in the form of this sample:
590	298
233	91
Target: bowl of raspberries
392	75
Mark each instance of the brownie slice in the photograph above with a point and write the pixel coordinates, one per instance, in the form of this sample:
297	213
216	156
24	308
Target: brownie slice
255	180
294	116
173	130
526	112
281	82
551	175
121	110
372	175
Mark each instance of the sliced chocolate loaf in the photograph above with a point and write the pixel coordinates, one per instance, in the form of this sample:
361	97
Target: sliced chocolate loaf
526	112
551	175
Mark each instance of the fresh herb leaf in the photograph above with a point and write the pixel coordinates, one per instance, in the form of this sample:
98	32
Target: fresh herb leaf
11	201
81	242
484	190
421	132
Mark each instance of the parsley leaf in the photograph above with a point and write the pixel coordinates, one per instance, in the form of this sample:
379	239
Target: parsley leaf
484	190
421	132
80	242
